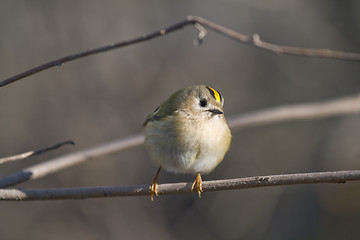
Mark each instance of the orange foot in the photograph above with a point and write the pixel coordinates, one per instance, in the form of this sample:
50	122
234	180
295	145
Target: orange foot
197	183
153	190
154	185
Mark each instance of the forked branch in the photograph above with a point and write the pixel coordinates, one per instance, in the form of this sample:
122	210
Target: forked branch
199	24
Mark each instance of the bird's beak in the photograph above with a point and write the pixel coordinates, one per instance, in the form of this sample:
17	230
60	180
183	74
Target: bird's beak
215	111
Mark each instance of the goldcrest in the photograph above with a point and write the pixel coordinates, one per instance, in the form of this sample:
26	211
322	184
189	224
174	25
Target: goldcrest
188	133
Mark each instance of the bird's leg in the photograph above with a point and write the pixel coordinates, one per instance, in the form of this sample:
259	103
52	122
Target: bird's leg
197	183
153	186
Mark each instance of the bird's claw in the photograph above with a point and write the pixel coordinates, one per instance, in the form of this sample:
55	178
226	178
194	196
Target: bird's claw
198	184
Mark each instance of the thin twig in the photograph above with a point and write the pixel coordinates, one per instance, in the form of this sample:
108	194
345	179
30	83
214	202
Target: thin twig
32	153
197	21
60	61
180	188
340	106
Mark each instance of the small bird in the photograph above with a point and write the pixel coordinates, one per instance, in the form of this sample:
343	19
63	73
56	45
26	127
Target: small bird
188	133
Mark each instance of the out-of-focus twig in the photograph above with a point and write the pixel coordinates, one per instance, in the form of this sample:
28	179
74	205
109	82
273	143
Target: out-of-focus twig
32	153
180	188
340	106
198	22
305	111
69	160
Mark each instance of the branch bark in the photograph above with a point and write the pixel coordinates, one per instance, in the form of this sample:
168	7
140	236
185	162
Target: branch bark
179	188
198	22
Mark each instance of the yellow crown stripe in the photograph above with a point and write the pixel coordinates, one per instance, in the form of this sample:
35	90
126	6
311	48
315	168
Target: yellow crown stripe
215	94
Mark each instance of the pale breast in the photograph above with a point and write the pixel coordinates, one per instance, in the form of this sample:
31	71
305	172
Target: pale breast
214	142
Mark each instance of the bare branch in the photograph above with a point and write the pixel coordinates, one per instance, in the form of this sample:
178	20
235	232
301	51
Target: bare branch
180	188
340	106
32	153
197	22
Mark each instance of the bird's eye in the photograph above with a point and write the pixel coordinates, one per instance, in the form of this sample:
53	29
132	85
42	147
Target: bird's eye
203	102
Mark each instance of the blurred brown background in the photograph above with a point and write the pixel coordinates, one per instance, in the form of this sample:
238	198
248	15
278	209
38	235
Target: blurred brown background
107	96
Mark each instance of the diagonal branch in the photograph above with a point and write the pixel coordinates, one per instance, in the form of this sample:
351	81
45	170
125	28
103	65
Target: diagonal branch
32	153
198	22
180	188
335	107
